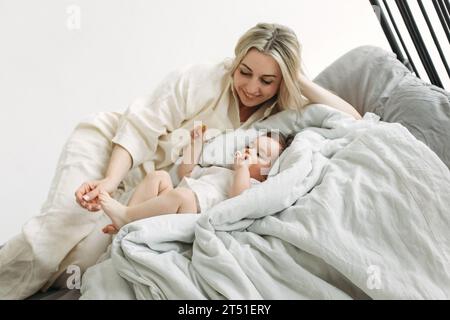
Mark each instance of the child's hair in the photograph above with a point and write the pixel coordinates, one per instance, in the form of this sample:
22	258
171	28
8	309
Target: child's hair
278	136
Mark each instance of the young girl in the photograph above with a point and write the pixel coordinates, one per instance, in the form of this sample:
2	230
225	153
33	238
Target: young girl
200	188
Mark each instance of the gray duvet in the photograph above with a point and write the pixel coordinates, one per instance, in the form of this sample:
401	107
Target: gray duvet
373	80
358	210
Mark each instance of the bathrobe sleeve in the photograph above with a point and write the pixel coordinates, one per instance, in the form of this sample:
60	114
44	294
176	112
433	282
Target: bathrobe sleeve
150	117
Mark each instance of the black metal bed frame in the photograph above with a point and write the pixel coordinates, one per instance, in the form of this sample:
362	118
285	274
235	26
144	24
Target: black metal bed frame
442	8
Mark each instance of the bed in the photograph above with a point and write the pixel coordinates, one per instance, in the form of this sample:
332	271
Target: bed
377	84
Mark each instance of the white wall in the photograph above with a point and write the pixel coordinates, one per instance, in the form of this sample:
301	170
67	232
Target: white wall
52	76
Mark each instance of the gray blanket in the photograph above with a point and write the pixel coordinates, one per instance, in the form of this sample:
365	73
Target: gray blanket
358	210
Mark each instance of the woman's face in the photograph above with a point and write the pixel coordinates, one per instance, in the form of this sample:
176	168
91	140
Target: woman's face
257	79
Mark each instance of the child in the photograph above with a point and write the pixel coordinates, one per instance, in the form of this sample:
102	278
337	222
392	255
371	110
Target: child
200	188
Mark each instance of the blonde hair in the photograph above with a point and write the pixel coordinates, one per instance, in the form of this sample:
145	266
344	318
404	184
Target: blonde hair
281	43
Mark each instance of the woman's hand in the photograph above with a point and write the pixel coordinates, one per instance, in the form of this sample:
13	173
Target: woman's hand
316	94
87	194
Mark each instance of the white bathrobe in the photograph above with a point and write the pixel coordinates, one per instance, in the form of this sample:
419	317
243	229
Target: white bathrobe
193	94
64	234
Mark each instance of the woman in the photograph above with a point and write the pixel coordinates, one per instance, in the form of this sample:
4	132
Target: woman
265	77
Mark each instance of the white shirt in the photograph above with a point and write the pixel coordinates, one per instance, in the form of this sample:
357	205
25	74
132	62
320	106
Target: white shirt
211	185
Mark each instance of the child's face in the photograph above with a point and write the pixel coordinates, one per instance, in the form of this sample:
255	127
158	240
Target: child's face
261	154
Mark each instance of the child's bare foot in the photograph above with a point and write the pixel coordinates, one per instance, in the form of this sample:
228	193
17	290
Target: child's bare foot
198	133
115	210
110	229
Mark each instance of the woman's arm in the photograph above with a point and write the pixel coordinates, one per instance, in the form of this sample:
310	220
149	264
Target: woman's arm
317	94
140	127
119	165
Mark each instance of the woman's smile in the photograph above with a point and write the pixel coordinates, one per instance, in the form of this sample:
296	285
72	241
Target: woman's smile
257	78
248	96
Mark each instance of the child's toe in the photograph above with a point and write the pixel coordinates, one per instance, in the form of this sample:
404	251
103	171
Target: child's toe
110	229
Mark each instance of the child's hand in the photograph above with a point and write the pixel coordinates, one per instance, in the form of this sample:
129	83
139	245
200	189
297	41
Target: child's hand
240	161
198	134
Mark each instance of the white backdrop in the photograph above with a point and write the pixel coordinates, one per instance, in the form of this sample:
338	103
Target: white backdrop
62	60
